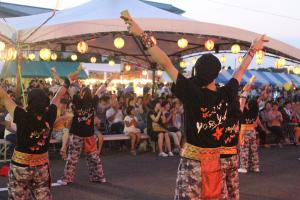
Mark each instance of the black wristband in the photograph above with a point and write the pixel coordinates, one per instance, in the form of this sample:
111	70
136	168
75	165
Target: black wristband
67	83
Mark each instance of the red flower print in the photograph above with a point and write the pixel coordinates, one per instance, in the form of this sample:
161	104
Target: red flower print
218	133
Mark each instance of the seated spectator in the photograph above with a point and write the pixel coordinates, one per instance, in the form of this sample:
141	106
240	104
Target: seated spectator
100	138
140	114
60	126
131	129
114	116
167	117
156	130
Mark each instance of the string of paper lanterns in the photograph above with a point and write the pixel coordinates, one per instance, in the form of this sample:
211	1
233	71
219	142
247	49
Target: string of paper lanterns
182	43
235	49
93	59
53	56
223	59
209	44
74	57
82	47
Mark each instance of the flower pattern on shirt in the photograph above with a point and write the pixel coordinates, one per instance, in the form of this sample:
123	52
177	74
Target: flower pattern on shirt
40	137
213	119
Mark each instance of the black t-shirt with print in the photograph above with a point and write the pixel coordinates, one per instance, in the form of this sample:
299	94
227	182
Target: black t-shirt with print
231	134
205	111
83	120
249	116
33	135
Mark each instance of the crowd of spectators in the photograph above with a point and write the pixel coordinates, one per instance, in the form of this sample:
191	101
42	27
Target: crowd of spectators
161	115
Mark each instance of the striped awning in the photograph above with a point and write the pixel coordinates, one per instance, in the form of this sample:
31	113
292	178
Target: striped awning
262	78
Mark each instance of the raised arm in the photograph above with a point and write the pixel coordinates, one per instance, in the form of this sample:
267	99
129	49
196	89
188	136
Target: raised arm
245	93
60	93
9	104
256	45
156	53
103	87
56	76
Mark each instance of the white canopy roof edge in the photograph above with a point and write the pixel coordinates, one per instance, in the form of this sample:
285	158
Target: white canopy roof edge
102	16
7	33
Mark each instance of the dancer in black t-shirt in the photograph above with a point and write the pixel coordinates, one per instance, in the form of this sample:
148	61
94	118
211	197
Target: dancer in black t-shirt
29	169
229	156
249	150
83	138
199	173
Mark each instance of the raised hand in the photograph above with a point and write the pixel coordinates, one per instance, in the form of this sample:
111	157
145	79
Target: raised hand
132	26
258	43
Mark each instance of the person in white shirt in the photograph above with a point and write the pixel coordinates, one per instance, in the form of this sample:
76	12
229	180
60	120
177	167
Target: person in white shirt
115	118
131	129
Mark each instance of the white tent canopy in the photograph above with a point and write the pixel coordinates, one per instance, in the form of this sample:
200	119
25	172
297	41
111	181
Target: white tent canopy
98	23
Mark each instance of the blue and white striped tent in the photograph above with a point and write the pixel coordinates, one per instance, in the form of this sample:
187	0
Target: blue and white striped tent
262	78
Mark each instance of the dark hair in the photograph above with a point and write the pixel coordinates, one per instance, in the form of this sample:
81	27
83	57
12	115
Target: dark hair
129	109
253	109
164	103
38	101
87	99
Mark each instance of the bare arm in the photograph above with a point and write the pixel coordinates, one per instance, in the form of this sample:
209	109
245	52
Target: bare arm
103	87
56	99
156	53
257	44
9	104
56	76
156	118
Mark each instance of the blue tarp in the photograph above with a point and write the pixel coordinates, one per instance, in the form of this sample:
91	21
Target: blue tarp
262	78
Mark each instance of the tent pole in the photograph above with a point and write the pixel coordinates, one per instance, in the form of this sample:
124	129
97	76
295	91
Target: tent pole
153	67
18	71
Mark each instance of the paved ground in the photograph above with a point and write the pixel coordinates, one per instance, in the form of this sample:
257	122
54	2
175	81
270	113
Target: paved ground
147	177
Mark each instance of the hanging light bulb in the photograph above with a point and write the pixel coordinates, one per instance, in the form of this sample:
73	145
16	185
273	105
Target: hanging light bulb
281	62
240	59
183	64
223	59
209	44
127	67
93	59
159	73
119	42
111	62
194	60
74	57
11	54
259	61
53	56
182	43
296	70
144	72
31	56
259	54
235	48
2	46
82	47
45	54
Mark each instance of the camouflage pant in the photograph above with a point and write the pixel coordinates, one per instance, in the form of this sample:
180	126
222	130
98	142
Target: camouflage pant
189	181
27	182
249	152
230	189
93	161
